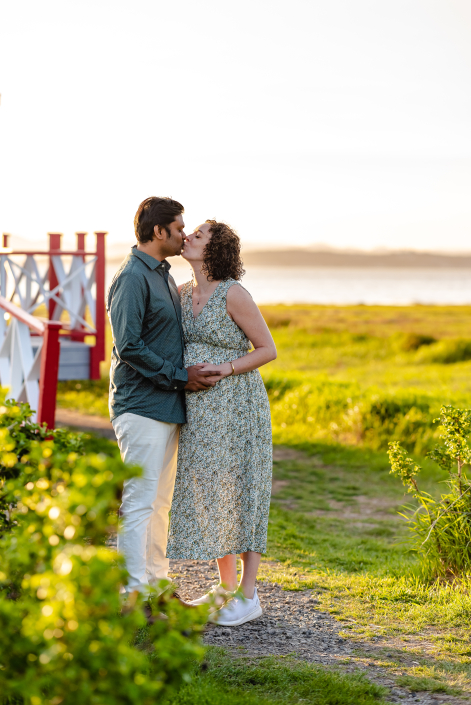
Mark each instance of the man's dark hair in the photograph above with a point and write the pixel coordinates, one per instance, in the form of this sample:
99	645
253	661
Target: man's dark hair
155	211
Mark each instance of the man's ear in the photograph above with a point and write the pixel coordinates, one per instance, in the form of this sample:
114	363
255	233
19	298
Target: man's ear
158	232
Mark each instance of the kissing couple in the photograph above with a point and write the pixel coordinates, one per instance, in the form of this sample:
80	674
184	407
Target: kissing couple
189	406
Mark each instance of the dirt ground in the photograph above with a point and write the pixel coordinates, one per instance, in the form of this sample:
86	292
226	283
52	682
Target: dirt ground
292	622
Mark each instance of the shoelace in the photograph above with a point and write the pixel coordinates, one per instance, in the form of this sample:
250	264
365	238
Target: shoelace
231	605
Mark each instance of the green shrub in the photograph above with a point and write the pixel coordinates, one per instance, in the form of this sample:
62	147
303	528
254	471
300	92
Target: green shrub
445	352
441	530
414	341
402	416
309	408
274	320
64	638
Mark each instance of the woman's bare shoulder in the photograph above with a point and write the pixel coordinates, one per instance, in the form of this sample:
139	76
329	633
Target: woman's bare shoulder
238	294
239	301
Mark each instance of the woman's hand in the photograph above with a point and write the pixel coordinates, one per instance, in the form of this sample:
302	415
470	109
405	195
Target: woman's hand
223	370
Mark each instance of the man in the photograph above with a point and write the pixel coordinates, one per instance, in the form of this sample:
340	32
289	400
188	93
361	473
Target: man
147	401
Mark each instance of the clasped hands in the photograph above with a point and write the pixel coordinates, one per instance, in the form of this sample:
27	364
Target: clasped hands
204	375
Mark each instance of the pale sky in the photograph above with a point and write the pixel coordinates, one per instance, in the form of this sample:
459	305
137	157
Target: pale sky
344	122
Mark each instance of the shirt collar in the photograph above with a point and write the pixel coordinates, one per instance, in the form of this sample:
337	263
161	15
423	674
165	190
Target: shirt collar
150	261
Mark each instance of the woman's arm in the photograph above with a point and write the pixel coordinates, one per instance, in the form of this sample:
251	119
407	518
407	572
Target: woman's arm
244	311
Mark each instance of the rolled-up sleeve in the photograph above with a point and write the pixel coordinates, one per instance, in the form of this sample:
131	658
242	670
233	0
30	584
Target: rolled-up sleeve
127	308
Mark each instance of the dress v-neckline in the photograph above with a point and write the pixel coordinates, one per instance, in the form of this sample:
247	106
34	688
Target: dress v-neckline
195	318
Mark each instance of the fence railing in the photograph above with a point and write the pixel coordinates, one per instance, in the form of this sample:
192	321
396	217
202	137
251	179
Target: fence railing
70	284
29	361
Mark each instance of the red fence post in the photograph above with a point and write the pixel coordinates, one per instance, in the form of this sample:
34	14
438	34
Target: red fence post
80	241
97	353
50	354
5	239
54	244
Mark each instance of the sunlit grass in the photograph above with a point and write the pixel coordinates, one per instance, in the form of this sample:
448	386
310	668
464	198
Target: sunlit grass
334	529
357	375
346	381
85	396
232	680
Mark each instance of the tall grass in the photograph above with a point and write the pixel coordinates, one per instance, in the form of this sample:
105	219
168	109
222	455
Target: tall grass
316	407
366	375
441	529
357	375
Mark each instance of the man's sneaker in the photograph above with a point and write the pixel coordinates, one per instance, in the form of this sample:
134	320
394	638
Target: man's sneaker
237	611
176	596
152	618
163	597
216	597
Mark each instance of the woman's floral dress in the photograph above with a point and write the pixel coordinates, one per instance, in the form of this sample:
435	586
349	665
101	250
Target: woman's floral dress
223	484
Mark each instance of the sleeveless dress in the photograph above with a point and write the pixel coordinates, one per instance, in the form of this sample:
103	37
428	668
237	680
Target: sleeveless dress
223	484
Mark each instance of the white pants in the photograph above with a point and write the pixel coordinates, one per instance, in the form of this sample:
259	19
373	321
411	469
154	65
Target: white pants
146	499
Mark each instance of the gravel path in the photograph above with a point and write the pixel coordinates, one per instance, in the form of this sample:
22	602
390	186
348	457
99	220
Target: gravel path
293	624
69	418
290	622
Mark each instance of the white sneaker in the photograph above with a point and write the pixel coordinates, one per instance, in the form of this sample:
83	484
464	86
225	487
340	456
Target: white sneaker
237	611
217	595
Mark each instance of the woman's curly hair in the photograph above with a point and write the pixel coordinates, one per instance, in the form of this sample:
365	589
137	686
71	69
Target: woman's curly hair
222	254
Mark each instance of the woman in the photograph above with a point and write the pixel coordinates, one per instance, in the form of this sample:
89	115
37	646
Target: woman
223	485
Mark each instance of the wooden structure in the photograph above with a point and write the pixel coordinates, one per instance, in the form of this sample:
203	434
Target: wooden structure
68	288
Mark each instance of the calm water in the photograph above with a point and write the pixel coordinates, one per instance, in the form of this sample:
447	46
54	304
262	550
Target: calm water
342	285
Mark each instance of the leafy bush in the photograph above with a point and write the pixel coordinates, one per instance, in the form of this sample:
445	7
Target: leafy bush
275	320
64	638
414	341
318	408
445	352
441	530
402	416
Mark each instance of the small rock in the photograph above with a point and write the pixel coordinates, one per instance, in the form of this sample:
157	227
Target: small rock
398	693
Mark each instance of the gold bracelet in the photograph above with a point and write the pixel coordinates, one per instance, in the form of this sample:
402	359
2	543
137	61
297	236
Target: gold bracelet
233	370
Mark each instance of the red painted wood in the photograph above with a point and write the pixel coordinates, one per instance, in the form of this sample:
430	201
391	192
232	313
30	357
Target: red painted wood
5	239
97	353
48	252
50	329
50	354
80	241
36	324
54	244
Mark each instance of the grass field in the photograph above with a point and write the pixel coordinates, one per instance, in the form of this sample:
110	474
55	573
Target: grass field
355	375
346	381
266	681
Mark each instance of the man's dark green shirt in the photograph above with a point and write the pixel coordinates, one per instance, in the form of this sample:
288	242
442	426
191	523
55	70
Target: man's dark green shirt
147	374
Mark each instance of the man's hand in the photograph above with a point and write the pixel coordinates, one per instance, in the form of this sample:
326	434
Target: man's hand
198	380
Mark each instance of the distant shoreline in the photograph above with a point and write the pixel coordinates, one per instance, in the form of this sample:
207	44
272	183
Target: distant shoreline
310	256
396	260
332	258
